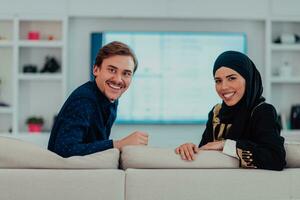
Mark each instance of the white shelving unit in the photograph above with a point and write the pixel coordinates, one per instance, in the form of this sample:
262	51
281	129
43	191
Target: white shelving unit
31	94
282	90
6	73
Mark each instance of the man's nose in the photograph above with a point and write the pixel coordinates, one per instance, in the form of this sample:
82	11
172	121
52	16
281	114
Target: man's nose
118	77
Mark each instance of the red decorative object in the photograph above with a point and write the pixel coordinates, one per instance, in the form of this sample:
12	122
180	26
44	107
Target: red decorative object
34	128
33	35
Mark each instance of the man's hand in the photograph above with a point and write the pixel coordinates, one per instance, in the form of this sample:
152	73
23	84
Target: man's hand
187	151
219	145
136	138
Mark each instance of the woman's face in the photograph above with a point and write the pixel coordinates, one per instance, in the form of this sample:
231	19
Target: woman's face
230	85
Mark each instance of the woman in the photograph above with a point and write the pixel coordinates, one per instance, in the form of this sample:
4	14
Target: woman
243	126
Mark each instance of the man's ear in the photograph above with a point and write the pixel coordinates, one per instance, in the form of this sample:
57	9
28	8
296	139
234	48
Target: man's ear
95	70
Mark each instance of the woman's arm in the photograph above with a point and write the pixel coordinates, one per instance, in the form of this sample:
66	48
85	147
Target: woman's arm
265	147
187	151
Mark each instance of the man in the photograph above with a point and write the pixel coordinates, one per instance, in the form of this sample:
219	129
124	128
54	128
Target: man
84	122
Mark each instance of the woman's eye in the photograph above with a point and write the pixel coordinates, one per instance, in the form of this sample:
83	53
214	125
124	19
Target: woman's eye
231	78
217	81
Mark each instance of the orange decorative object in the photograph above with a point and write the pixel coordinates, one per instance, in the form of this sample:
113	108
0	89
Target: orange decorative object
50	37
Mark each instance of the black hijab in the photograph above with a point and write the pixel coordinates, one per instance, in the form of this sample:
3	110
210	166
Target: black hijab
238	115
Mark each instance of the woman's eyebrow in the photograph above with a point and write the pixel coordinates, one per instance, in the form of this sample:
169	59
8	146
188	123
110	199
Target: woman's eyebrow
230	75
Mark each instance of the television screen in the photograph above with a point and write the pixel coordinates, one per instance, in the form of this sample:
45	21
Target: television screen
174	82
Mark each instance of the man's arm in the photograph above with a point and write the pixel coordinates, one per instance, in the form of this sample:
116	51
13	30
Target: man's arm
136	138
72	127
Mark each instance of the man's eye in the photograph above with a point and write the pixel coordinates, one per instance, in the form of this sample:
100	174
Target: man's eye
127	74
111	70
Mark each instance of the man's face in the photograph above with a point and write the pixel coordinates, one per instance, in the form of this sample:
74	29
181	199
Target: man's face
114	76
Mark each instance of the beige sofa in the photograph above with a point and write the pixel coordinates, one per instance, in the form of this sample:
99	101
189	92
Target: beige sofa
28	172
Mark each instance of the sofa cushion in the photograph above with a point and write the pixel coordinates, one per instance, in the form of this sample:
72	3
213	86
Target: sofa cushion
19	154
62	184
292	154
151	158
210	184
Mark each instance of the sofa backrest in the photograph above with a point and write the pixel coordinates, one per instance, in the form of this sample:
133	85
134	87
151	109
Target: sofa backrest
15	153
19	154
292	154
142	157
150	158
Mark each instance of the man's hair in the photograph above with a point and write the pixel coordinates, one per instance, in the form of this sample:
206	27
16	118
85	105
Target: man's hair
113	49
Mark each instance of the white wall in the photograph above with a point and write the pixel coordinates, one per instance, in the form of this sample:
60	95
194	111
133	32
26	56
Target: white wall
81	28
142	8
163	135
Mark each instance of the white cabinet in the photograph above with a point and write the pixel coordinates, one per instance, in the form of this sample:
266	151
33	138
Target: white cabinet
41	92
283	66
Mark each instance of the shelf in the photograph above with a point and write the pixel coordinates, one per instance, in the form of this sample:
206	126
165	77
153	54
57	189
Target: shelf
5	110
41	139
26	134
290	131
285	47
287	80
41	134
285	19
291	136
5	134
39	76
40	43
6	43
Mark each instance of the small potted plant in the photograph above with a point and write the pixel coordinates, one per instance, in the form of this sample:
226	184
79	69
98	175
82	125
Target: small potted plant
35	124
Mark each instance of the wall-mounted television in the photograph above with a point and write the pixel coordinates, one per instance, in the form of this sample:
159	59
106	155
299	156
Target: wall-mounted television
174	82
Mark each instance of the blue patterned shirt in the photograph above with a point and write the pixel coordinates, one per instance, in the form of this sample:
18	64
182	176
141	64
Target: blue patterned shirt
84	123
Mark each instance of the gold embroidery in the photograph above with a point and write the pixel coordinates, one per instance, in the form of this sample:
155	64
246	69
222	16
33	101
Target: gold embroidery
214	130
223	128
246	158
216	111
227	128
215	120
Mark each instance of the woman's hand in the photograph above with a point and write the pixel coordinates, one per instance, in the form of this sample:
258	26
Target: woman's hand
187	151
219	145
